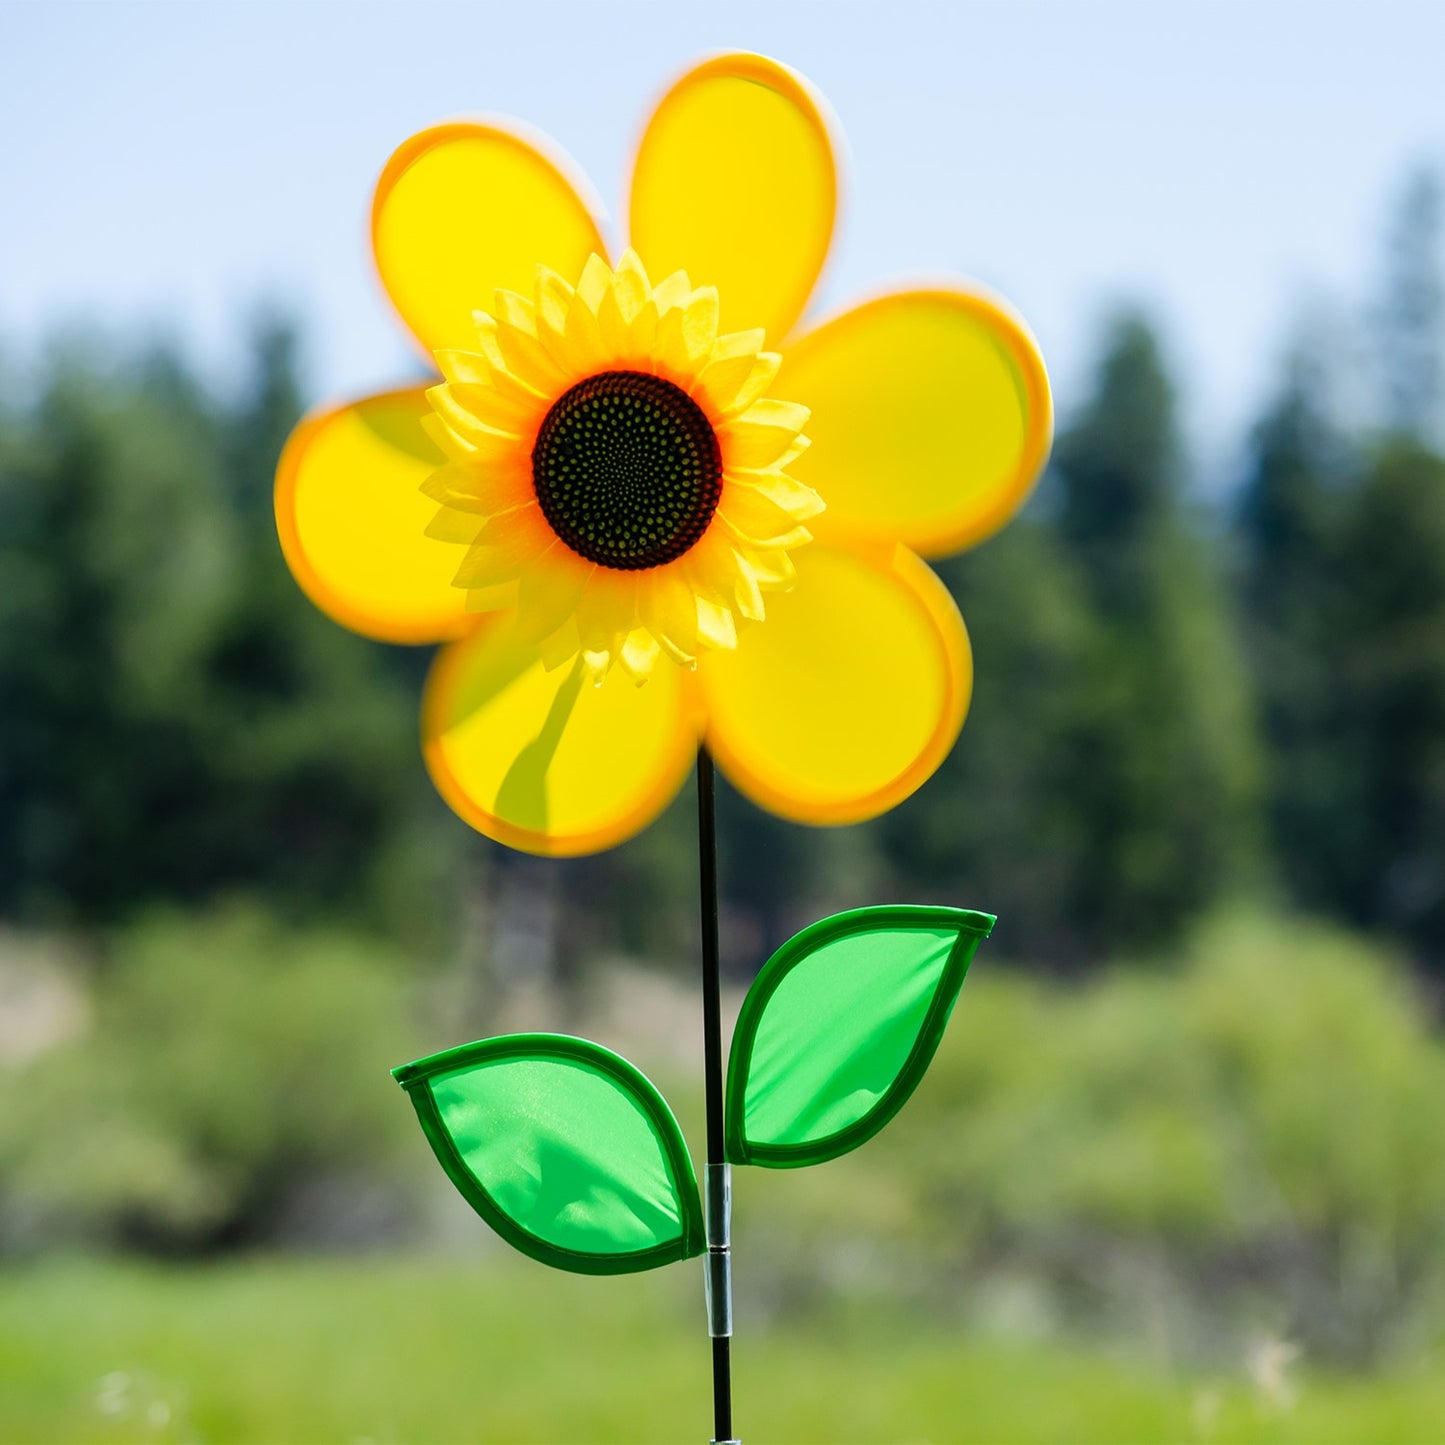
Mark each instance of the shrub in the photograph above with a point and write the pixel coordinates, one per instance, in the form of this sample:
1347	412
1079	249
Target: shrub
235	1070
1252	1133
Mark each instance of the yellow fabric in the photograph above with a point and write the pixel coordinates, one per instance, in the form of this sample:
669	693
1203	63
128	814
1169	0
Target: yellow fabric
736	183
464	208
545	761
353	520
851	694
930	419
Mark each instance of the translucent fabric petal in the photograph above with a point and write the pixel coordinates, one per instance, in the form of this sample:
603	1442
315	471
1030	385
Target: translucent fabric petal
353	520
546	761
839	1028
464	208
564	1148
735	182
931	418
851	693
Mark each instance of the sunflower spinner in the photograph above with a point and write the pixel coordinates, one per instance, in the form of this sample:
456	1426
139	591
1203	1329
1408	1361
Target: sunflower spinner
648	539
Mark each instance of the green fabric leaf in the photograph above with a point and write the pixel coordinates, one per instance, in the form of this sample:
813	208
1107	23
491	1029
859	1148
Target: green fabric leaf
838	1029
564	1148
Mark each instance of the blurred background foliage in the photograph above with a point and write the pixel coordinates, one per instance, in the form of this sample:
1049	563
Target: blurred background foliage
1193	1091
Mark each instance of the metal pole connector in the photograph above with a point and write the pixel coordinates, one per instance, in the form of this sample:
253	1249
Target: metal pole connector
718	1263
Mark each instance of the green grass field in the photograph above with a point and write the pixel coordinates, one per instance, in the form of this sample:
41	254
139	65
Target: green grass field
436	1350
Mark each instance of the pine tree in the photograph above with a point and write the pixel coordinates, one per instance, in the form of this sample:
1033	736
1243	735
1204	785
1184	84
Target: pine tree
995	828
321	794
1411	313
1292	602
115	549
1392	618
257	427
179	721
1160	757
1393	679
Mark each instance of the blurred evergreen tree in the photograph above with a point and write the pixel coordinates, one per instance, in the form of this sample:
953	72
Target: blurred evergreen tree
1103	788
1343	587
312	730
768	868
257	428
177	719
1392	618
116	553
1293	603
1160	764
997	828
1410	321
1392	568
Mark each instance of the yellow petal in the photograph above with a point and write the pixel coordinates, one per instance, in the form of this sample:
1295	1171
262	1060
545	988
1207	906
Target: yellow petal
561	647
501	404
851	693
665	607
639	654
457	527
615	331
473	368
799	501
540	761
686	333
485	490
461	435
530	334
630	288
550	590
517	311
672	290
492	599
457	365
772	568
715	624
595	282
747	595
607	611
726	369
736	182
642	336
730	383
762	435
753	519
518	347
584	347
553	300
931	418
352	519
464	208
505	548
710	567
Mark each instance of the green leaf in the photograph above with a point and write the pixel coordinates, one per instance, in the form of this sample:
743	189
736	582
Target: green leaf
838	1029
564	1148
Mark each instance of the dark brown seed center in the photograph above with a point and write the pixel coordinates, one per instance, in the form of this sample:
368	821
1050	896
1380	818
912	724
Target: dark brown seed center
627	470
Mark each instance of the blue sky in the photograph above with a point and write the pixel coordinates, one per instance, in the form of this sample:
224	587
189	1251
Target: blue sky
167	165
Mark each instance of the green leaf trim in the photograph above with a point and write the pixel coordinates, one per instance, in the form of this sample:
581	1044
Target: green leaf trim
972	928
416	1079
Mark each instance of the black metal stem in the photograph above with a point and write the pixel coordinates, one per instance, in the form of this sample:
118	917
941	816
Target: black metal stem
722	1387
722	1403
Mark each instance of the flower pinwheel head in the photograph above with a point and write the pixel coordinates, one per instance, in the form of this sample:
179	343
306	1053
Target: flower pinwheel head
642	506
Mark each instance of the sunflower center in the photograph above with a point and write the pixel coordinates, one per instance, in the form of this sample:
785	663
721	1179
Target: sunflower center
627	470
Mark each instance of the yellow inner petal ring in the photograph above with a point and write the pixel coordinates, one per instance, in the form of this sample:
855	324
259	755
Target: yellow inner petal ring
627	470
615	469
